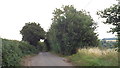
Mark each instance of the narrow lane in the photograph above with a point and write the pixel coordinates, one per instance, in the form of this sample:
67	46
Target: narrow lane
47	59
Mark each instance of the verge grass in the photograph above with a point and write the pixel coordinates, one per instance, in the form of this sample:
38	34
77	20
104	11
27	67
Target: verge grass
95	57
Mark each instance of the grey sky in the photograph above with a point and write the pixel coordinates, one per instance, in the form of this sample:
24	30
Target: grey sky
15	13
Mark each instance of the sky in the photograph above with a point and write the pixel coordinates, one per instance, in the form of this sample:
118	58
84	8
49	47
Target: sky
15	13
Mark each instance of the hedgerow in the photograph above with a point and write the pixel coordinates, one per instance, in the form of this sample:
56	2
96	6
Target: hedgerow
13	51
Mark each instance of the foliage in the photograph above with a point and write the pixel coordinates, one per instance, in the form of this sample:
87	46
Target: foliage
13	51
47	43
42	46
95	57
112	16
27	48
108	44
70	30
32	33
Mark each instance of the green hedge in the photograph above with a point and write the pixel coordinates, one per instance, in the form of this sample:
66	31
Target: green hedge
13	51
42	46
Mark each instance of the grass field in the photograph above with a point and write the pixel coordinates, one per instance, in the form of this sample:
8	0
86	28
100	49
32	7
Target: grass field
95	57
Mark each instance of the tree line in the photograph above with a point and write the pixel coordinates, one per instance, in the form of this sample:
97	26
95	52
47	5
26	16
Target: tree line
70	29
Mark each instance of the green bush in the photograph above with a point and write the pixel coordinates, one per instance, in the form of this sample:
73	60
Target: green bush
42	46
13	51
70	30
27	48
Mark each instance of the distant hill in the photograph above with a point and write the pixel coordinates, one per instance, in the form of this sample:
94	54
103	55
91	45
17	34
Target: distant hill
109	42
110	39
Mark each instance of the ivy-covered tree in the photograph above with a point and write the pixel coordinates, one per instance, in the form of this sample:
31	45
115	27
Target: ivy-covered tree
32	33
70	30
112	15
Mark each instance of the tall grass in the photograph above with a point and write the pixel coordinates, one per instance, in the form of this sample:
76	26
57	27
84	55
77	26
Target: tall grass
95	57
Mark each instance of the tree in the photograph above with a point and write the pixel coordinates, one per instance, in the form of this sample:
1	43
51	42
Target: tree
32	33
112	16
70	30
47	44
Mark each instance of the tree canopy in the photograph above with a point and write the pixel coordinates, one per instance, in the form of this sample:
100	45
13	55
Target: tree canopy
112	15
32	33
70	30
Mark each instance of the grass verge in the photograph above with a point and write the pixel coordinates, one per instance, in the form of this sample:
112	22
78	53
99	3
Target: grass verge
95	57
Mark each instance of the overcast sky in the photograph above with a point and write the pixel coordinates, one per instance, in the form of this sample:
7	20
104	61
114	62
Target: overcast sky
15	13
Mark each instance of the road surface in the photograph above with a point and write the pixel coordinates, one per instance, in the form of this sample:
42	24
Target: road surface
47	59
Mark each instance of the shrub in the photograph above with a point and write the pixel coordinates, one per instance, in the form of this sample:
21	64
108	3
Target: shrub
70	30
13	51
42	46
27	48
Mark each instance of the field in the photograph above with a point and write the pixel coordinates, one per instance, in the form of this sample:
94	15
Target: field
95	57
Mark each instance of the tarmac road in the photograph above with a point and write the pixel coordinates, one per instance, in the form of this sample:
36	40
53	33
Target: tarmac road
47	59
